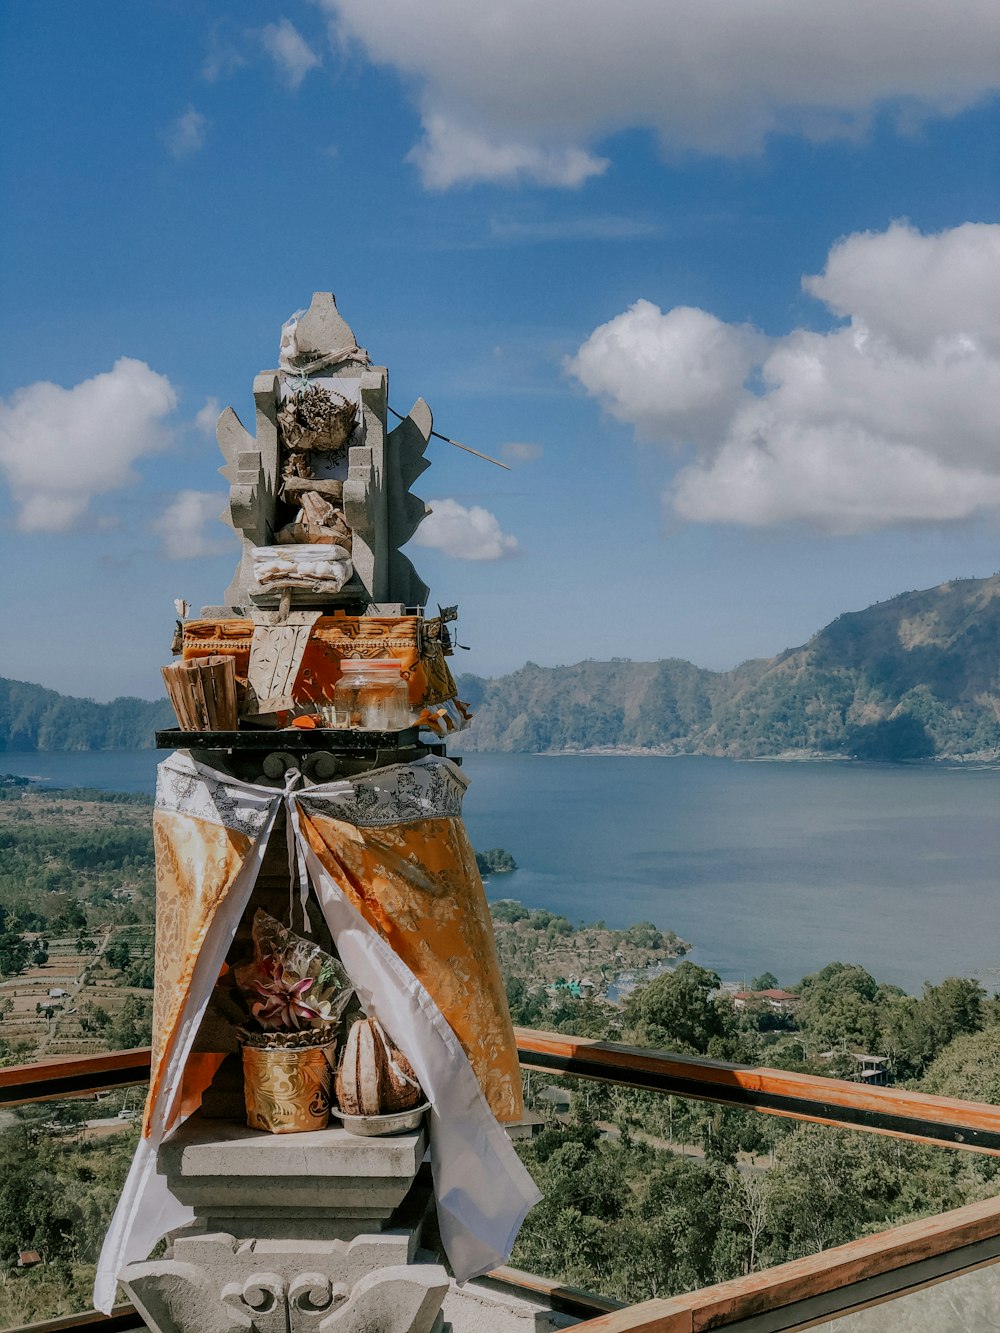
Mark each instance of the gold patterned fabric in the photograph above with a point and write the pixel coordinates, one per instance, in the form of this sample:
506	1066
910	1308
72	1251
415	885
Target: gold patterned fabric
394	842
204	830
196	863
417	884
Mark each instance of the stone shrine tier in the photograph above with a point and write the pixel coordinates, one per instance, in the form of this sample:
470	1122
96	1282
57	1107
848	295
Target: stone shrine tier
319	1231
253	1183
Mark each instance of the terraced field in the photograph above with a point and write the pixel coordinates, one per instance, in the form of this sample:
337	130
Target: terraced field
76	932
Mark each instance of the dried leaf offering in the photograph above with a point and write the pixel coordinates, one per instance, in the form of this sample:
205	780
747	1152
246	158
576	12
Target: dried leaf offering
316	418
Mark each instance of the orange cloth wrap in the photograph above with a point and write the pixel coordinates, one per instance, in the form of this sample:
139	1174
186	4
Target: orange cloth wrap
196	863
417	884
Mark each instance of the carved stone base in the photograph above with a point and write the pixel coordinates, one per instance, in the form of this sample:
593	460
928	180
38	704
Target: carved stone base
212	1283
308	1233
215	1284
326	1184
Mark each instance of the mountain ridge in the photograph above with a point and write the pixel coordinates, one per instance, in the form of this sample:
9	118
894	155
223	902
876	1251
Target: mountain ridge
33	717
911	677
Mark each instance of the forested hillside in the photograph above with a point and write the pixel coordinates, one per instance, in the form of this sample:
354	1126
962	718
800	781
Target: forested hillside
911	677
915	676
33	718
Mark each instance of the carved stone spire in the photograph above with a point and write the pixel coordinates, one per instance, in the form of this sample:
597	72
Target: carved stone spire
319	346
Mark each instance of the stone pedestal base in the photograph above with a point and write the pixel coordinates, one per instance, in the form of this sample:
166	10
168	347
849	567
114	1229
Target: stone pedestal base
308	1232
326	1184
216	1284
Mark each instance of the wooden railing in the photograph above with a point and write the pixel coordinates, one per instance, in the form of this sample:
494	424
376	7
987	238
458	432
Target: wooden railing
944	1121
122	1319
794	1295
72	1076
829	1285
949	1121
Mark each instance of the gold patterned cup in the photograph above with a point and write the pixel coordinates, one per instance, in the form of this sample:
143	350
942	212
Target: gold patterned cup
288	1087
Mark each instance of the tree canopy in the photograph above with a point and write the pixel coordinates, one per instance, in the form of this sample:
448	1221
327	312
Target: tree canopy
676	1010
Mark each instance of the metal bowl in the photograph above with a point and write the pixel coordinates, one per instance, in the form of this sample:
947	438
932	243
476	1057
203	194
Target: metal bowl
381	1126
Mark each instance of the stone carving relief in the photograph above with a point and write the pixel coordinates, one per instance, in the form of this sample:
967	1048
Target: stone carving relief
377	502
178	1296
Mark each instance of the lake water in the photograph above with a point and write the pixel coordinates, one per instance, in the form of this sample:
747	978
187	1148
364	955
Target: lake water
778	867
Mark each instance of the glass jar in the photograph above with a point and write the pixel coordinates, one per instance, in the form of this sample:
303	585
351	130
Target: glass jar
371	695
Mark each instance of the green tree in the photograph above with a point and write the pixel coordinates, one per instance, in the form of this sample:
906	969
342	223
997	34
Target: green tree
93	1018
133	1026
842	1003
829	1186
140	974
688	1207
915	1031
645	935
890	740
527	1007
571	1232
32	1203
118	954
968	1067
495	861
14	954
766	981
676	1010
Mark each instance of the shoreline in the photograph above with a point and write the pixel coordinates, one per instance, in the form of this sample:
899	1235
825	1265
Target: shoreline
979	759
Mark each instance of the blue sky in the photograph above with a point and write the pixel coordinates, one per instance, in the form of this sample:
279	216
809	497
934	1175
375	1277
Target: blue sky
721	280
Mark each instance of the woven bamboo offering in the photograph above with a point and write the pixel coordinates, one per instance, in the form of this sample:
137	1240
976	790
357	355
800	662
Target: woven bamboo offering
315	418
203	693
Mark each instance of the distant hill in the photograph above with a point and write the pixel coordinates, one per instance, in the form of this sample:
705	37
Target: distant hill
33	718
915	676
907	678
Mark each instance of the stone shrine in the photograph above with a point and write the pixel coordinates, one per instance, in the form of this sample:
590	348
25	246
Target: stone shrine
327	1229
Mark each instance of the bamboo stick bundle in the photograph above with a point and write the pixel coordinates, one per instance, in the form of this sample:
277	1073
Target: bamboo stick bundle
203	693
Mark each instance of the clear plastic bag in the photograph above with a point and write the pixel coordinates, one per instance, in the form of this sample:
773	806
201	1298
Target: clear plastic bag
292	984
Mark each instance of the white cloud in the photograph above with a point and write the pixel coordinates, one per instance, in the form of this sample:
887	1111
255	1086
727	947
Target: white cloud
520	90
471	533
207	416
224	56
520	451
453	153
182	526
916	289
679	374
290	51
889	418
61	447
186	134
